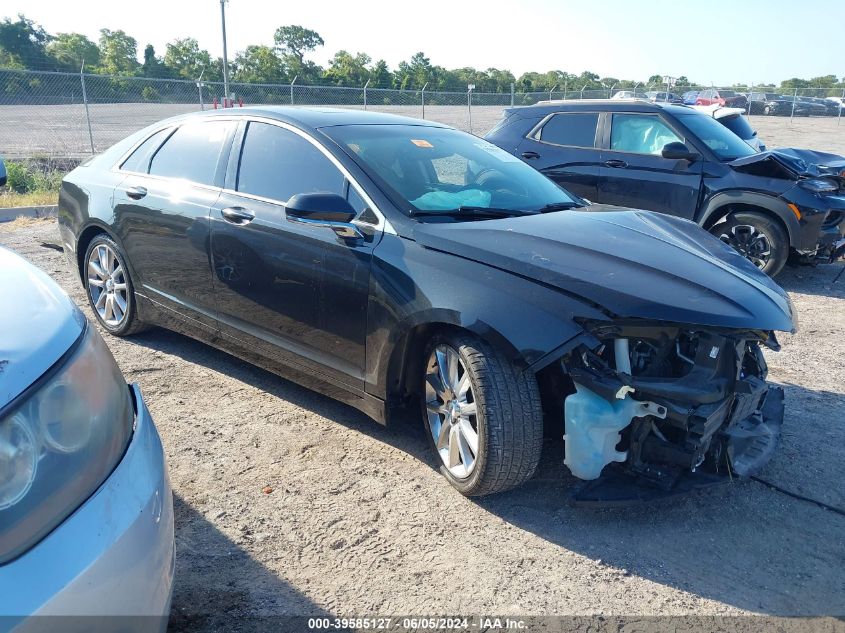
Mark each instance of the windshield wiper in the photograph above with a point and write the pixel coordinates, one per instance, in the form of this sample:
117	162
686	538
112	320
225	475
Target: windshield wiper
473	212
560	206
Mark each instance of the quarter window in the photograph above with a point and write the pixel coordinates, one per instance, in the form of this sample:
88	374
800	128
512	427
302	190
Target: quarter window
277	164
574	129
192	152
640	134
139	160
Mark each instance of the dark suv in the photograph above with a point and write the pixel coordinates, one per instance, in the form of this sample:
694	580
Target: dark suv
676	160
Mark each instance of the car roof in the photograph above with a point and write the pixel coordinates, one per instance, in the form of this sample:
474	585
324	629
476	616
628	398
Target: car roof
317	117
603	105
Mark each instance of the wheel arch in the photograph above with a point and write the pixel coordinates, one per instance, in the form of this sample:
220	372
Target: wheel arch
403	375
722	204
86	236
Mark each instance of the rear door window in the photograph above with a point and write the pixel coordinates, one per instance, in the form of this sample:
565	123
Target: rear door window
277	164
640	134
193	152
576	129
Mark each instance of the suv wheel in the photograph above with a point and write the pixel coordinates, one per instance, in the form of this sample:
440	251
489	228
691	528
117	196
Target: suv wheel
482	415
109	288
759	238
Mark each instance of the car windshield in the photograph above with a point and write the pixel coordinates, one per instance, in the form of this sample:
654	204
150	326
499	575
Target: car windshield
431	169
724	143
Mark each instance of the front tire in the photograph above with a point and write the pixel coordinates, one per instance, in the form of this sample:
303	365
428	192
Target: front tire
482	415
109	287
759	238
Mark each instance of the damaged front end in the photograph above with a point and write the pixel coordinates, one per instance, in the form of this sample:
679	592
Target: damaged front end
660	409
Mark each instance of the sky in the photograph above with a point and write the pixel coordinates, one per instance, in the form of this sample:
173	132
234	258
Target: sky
720	42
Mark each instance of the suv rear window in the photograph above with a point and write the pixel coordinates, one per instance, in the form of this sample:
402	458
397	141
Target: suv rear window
738	125
577	129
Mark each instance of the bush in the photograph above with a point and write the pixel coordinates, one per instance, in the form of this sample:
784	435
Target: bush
33	177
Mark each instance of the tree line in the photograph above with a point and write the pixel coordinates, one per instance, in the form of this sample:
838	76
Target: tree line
26	45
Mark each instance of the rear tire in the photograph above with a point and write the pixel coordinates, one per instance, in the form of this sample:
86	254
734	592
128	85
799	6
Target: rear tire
760	239
111	294
482	415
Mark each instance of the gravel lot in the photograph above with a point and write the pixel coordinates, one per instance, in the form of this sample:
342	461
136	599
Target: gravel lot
62	131
359	522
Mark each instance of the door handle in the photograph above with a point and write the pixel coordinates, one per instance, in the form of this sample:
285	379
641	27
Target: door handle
136	193
530	155
237	215
614	162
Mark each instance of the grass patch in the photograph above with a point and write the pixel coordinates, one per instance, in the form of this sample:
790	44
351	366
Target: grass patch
12	199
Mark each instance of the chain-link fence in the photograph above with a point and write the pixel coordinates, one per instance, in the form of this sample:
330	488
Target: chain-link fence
71	115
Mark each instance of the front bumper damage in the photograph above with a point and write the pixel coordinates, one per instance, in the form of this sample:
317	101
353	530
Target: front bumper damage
663	409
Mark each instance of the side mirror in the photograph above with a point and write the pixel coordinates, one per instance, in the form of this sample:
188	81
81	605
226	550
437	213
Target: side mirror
2	173
678	151
324	209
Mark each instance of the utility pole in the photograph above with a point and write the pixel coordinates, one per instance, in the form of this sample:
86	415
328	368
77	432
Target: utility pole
225	55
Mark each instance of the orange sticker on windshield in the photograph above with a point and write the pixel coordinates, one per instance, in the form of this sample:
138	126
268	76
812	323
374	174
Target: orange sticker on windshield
421	143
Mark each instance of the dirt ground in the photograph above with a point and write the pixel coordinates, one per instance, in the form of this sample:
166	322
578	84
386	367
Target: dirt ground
359	522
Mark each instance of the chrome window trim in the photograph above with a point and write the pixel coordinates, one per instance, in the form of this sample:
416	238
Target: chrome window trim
382	225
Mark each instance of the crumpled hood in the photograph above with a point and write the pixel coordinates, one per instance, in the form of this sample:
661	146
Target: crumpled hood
635	264
802	163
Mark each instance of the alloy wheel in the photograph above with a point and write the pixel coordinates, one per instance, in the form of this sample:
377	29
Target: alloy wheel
451	411
751	243
107	285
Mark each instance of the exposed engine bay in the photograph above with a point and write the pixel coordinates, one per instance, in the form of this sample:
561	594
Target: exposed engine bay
669	408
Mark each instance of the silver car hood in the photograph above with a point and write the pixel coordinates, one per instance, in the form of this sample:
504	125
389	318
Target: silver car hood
38	324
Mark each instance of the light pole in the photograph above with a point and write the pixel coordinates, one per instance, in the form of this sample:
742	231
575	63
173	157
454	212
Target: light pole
225	55
470	88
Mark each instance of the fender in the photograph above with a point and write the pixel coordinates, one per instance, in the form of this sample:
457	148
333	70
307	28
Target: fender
529	322
772	204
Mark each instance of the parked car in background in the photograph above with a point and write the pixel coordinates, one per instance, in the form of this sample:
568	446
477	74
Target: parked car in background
3	175
679	161
768	103
820	107
418	231
839	102
689	97
86	513
629	94
729	98
664	97
796	107
733	119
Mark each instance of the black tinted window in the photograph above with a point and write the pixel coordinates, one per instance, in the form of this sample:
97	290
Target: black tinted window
192	152
139	160
577	129
277	164
738	125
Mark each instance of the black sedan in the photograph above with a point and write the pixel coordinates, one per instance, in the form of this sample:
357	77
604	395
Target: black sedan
389	261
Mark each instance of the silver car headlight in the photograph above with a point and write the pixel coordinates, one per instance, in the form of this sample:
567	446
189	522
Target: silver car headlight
59	441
